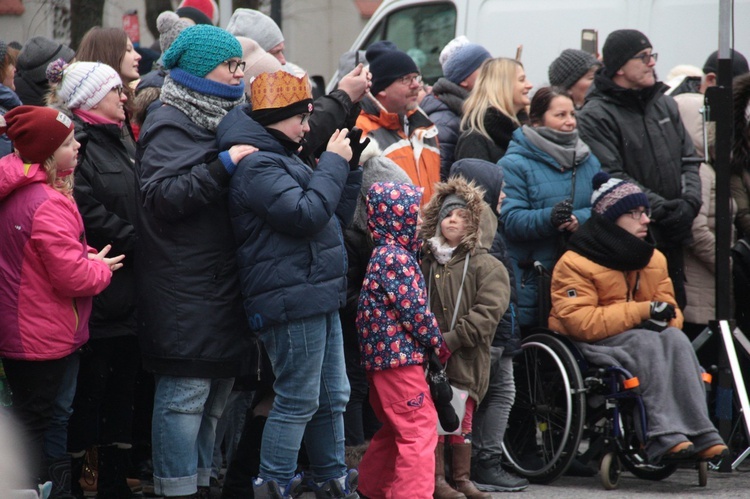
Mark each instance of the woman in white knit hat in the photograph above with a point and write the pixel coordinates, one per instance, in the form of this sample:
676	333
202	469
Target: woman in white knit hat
92	94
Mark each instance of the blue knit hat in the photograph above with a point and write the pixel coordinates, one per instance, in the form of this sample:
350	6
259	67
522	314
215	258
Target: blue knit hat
388	64
613	197
464	61
199	49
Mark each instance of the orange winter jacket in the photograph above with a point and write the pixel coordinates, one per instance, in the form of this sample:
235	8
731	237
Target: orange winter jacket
418	154
591	302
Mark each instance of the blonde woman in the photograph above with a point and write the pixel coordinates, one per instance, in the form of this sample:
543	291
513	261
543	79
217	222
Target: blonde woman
491	112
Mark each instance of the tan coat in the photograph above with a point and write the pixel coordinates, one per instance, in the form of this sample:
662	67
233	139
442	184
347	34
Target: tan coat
486	289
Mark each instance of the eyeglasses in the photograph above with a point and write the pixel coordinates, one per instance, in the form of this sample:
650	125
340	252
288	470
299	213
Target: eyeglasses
637	214
304	119
646	58
117	89
235	65
406	80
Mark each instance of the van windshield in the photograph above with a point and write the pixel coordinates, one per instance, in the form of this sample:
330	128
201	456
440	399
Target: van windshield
421	31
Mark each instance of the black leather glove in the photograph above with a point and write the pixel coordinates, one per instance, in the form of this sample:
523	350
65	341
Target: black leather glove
354	136
677	224
662	311
561	213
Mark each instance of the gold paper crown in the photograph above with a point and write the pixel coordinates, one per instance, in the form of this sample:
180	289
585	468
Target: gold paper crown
279	89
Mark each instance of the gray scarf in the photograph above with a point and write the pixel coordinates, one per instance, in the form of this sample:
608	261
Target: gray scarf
202	109
565	147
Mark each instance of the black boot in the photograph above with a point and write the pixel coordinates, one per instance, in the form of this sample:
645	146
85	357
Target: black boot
114	463
59	474
238	482
76	469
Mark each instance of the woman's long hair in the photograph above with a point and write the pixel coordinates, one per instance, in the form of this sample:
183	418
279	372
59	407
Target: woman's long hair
493	89
62	185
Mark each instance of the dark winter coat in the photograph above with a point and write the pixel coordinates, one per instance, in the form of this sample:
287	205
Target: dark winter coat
105	192
287	220
639	136
472	144
189	303
490	177
534	183
444	107
8	100
30	92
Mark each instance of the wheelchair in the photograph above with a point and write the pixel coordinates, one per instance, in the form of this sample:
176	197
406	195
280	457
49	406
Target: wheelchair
562	401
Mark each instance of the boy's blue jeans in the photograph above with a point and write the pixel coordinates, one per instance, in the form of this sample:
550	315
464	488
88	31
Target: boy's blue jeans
311	390
186	411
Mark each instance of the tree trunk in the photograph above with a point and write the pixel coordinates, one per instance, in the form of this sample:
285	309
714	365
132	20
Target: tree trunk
88	13
153	9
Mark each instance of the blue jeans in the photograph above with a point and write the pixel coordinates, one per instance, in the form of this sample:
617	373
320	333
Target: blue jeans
56	436
183	431
312	390
491	418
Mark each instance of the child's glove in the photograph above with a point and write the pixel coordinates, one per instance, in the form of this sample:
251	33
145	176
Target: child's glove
444	353
561	213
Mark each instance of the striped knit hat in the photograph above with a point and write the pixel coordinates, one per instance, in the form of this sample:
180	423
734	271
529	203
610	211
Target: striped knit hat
613	197
82	85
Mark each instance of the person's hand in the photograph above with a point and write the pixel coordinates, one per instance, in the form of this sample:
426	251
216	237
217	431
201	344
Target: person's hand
677	223
339	144
113	263
561	214
355	134
239	151
570	226
662	311
444	353
356	83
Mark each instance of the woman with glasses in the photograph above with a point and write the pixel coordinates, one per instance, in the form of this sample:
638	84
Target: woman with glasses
548	172
193	332
92	94
493	110
612	294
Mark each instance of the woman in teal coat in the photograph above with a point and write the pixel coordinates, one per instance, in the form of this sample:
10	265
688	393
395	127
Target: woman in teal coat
548	172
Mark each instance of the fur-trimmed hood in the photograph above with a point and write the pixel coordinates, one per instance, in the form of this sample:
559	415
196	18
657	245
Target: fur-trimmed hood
481	223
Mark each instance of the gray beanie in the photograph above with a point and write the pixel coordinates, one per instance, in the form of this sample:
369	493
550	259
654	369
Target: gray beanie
570	66
257	26
450	203
464	61
170	25
36	55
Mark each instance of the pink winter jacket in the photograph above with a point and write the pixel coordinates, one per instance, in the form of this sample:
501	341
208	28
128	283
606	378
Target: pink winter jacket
46	279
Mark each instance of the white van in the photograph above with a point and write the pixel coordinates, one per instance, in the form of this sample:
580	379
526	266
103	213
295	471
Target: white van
681	31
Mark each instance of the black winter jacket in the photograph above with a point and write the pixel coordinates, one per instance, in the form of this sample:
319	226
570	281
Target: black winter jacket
472	144
189	303
639	136
288	220
444	107
105	192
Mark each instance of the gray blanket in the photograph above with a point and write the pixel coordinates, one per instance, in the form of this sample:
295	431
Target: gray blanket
670	384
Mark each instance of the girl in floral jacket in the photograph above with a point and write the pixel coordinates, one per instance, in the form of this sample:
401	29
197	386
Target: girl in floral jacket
396	329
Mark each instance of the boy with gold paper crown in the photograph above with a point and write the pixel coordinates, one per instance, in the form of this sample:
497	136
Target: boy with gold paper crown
287	218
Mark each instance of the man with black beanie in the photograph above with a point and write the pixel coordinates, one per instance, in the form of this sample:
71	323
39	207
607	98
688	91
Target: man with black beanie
391	116
637	134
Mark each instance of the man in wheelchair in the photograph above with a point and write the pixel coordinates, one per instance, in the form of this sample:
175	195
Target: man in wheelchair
611	294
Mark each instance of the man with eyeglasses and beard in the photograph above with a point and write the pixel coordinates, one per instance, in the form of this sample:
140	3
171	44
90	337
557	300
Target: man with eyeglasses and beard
636	132
391	116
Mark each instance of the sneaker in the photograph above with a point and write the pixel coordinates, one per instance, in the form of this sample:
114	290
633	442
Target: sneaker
269	489
489	476
334	489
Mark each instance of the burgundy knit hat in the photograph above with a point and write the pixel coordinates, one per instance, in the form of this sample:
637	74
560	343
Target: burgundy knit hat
36	131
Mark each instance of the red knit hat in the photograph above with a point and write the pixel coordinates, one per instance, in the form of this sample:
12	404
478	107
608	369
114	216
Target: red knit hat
208	7
36	131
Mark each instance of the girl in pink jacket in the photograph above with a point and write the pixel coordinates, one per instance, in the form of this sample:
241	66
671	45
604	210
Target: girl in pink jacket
48	276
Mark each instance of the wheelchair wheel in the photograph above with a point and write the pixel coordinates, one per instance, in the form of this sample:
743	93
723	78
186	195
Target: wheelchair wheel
609	471
633	457
546	422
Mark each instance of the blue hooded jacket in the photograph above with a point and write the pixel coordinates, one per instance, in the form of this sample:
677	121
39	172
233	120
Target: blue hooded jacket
287	219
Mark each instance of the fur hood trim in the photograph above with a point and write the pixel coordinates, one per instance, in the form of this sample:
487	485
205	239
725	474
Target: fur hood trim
479	233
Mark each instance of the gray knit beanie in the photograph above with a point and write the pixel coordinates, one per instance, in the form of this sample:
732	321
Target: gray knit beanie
170	25
36	55
464	61
254	24
450	203
570	66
